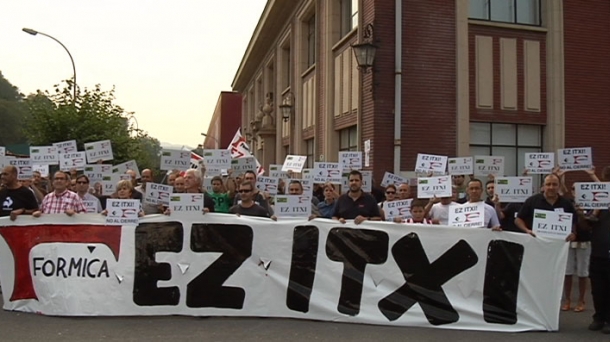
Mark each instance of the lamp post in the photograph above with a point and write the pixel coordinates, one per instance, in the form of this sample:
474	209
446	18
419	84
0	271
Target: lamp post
214	138
286	108
34	32
365	52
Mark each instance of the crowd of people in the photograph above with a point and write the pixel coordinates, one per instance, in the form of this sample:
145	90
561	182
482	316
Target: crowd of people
589	252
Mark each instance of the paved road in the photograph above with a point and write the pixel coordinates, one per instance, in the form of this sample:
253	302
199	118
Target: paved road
15	326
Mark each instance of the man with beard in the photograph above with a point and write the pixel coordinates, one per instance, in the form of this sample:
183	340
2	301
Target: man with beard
15	199
356	204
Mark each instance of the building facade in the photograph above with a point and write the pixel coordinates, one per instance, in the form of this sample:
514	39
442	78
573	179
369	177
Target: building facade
225	121
450	77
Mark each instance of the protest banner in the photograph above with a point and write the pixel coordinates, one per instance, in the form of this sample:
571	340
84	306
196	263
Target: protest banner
292	206
44	155
460	166
122	211
98	150
429	187
427	163
64	147
399	208
24	168
489	165
350	160
128	165
223	265
467	215
327	173
513	189
592	195
552	224
294	163
268	184
539	162
390	178
72	160
572	159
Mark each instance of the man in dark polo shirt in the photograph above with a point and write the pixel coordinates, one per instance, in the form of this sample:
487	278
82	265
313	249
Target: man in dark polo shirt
356	204
246	204
548	200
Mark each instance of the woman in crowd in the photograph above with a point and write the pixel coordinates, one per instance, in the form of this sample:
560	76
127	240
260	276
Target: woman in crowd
390	195
327	207
124	190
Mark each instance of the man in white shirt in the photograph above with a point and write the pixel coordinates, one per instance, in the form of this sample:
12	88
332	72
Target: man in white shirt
439	209
475	192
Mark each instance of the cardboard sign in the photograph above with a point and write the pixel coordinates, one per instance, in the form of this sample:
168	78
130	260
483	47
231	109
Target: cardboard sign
400	208
460	166
592	195
42	169
468	215
216	161
241	165
327	173
128	165
307	187
489	165
98	150
96	172
350	160
64	147
109	182
572	159
429	187
294	163
157	194
552	224
292	206
307	174
72	160
46	155
427	163
24	168
268	184
539	163
275	171
122	211
367	181
390	178
91	206
175	160
513	189
185	204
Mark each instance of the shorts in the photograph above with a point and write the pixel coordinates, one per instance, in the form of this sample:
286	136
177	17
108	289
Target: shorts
578	259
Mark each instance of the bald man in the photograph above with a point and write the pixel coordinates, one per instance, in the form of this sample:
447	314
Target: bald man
15	199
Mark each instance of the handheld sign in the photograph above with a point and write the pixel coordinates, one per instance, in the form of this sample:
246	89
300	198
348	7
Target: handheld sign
592	195
539	163
429	187
268	184
469	215
72	160
96	172
400	208
157	193
513	189
571	159
367	181
109	182
390	178
44	155
552	224
175	160
243	164
128	165
42	169
66	146
184	204
489	165
292	206
275	171
90	206
350	160
307	174
2	151
216	161
307	187
294	163
122	211
24	168
460	166
207	184
327	173
427	163
98	150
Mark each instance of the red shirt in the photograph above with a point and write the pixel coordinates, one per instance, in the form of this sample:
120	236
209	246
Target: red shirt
58	204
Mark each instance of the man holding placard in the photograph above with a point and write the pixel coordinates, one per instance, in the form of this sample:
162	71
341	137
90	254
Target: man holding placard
147	177
247	206
475	191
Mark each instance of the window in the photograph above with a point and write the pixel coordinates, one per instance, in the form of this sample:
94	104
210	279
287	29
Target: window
348	139
311	41
509	140
349	16
310	153
526	12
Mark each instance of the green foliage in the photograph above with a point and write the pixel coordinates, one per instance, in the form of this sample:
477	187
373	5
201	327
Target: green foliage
92	117
13	113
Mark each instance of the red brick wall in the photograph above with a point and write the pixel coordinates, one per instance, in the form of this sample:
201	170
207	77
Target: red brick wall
587	77
497	114
230	117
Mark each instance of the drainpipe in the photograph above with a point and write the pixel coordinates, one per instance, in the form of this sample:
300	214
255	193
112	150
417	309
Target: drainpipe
398	87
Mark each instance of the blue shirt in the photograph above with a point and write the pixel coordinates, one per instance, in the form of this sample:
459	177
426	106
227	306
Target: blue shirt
327	210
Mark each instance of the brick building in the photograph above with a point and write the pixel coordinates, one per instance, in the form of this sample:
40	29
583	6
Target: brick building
478	77
225	121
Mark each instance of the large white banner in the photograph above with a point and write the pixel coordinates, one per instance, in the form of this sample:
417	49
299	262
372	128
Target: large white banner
222	265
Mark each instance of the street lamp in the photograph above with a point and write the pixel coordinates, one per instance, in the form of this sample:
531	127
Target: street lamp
211	137
365	52
34	32
286	106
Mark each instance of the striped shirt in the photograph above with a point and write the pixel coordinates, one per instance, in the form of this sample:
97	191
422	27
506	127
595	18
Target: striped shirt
59	203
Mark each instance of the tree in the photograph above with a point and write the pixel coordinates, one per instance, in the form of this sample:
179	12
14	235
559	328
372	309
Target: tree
13	112
93	116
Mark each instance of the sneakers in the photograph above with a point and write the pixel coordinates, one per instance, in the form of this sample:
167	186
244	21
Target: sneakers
597	325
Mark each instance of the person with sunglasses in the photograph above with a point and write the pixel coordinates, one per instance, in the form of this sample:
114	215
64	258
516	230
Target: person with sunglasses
390	195
246	205
82	190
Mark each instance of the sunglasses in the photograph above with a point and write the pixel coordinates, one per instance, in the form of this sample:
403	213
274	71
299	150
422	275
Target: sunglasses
81	182
244	191
390	192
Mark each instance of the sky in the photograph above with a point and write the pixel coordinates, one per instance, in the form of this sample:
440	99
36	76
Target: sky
168	60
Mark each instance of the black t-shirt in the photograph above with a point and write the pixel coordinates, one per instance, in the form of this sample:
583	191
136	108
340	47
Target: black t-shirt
20	198
254	210
510	214
600	237
208	202
259	199
526	213
348	209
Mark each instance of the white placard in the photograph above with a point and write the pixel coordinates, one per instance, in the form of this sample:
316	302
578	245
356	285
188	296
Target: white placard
275	171
327	173
467	215
429	187
66	146
307	187
207	184
72	160
552	224
157	193
91	206
571	159
350	160
367	145
367	181
98	150
96	172
427	163
122	211
292	206
307	174
175	160
128	165
42	169
241	165
513	189
184	204
294	163
592	195
2	151
216	161
539	162
268	184
24	168
390	178
109	182
460	166
489	165
367	159
399	208
44	155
